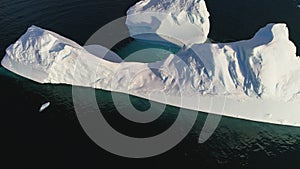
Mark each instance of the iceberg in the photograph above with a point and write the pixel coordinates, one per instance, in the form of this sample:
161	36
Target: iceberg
177	21
258	77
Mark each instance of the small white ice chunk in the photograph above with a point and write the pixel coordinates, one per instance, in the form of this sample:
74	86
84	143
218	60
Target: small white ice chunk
44	106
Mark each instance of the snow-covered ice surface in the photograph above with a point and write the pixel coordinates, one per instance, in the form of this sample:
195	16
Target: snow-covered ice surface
255	79
177	21
265	66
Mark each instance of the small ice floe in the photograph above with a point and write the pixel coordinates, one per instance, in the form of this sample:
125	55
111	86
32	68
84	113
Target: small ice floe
298	6
44	106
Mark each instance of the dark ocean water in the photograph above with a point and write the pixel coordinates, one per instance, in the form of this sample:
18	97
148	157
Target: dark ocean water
55	138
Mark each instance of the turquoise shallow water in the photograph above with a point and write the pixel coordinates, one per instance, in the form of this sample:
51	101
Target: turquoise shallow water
55	138
145	51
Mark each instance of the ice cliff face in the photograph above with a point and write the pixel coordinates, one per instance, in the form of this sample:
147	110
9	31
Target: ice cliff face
177	21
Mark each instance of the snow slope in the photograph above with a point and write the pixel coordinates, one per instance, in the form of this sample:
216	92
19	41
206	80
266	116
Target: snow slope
254	79
177	21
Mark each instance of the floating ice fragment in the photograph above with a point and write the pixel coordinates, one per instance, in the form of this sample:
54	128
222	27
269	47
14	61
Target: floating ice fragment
44	106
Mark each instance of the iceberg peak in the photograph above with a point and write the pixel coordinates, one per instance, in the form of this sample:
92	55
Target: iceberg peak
177	21
273	32
264	66
46	57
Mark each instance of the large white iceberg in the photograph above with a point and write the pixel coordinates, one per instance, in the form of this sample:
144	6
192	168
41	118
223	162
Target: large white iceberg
258	77
177	21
